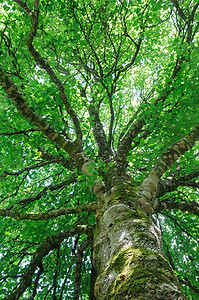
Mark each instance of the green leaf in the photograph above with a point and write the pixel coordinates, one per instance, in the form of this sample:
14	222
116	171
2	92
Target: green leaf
142	140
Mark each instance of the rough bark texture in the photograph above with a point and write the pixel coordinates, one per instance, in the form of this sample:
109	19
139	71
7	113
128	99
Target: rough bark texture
128	251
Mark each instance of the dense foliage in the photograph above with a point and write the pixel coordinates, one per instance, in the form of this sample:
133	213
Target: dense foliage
75	76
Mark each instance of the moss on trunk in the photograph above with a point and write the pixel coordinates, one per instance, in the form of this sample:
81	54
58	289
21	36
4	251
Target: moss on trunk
142	274
128	252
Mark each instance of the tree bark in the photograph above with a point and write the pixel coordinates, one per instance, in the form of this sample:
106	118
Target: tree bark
128	252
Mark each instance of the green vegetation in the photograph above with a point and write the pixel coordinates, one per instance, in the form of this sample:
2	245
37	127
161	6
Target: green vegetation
98	107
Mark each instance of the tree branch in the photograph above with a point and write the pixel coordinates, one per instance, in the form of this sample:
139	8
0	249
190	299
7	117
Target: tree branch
71	148
183	280
124	69
49	244
41	270
177	223
192	207
56	271
17	173
91	48
110	135
42	192
149	185
48	215
125	144
104	149
188	283
45	65
65	162
171	184
190	24
19	132
23	6
179	10
77	287
29	114
187	19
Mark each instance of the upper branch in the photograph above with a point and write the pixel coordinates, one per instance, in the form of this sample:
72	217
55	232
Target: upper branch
190	33
149	185
175	151
179	9
188	19
12	91
23	6
110	135
188	283
91	46
28	200
45	65
48	215
104	149
124	69
125	144
72	148
24	132
39	165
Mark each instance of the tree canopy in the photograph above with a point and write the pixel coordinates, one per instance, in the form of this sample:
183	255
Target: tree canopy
89	87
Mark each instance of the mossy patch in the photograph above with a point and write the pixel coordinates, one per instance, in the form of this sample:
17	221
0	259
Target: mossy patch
137	269
132	284
121	260
133	214
125	192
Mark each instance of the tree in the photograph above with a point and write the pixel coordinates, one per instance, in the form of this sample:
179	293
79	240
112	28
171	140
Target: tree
99	160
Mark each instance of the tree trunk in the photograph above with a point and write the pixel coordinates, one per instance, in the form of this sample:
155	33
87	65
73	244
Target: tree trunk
128	252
